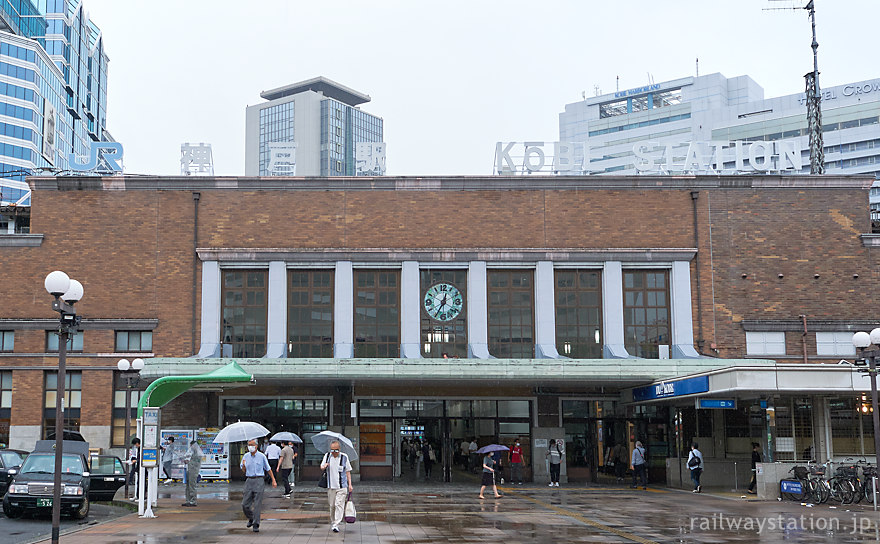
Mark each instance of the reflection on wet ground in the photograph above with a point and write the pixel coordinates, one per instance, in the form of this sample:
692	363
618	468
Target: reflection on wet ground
435	512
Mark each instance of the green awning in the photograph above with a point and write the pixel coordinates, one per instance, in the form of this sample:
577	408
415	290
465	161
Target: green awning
167	388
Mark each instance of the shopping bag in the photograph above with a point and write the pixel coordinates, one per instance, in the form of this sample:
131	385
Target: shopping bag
350	512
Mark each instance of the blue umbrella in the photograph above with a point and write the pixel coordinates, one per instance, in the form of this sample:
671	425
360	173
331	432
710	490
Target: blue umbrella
492	448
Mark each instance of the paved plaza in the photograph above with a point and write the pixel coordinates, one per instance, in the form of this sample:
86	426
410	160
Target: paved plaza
453	513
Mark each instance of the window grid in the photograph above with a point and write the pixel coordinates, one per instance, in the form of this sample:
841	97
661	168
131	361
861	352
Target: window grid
7	340
439	337
646	311
276	125
118	424
245	313
765	343
835	343
511	310
74	342
141	341
377	313
72	401
310	313
579	313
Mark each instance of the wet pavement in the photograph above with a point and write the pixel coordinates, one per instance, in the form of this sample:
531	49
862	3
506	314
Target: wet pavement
31	527
436	512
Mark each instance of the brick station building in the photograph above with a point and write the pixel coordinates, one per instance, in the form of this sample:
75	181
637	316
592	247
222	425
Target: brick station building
592	309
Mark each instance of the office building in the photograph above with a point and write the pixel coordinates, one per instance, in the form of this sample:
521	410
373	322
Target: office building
320	122
53	96
713	108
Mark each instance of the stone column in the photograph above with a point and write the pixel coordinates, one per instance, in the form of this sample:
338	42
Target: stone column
612	311
276	337
682	312
343	311
477	311
410	317
211	319
545	311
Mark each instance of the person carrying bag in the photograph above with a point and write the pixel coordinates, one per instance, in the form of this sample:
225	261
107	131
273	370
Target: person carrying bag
350	512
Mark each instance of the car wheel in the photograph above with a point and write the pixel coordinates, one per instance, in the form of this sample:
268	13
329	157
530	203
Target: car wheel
83	510
10	511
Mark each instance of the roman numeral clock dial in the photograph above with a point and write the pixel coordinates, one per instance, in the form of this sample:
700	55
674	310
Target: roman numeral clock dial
443	302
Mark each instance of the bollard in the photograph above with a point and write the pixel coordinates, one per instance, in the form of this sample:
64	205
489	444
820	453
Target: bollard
874	483
735	479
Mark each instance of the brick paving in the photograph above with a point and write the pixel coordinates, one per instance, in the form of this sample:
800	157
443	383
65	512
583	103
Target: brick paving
453	513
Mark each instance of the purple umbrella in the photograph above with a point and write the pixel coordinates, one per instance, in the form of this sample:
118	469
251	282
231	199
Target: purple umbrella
491	448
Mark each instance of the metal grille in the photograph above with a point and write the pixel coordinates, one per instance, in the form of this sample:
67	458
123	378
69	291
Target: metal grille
40	489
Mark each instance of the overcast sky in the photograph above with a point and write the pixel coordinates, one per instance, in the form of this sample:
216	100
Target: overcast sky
449	78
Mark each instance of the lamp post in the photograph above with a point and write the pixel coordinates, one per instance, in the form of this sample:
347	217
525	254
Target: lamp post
863	341
66	292
131	379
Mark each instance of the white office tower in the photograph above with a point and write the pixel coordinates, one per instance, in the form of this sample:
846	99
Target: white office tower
714	125
196	160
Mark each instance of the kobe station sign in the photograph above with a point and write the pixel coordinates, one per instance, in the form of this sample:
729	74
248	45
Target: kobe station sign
573	158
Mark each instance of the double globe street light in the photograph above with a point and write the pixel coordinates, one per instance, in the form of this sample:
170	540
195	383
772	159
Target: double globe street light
868	346
66	292
130	372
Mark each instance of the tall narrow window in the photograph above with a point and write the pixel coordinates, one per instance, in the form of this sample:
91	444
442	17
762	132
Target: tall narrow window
72	401
511	314
443	299
245	313
7	340
5	404
646	311
377	313
118	425
579	313
310	313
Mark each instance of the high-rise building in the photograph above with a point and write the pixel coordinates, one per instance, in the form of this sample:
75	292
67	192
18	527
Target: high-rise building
662	119
323	120
53	95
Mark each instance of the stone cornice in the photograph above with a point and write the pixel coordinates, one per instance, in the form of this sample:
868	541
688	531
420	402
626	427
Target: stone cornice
87	324
21	240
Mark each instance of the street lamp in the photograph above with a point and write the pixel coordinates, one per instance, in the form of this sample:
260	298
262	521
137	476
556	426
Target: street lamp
862	341
131	379
66	292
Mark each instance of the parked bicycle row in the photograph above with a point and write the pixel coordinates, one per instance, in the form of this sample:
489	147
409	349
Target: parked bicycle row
852	482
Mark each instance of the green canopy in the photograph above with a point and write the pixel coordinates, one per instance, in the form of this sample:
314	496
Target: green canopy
167	388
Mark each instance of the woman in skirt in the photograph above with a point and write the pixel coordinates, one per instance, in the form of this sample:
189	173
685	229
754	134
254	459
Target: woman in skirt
489	475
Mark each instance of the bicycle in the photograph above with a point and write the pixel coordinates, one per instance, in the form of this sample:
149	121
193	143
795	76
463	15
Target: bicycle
820	490
842	488
798	488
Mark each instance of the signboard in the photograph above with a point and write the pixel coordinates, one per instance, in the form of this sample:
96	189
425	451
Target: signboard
215	465
151	416
369	159
573	158
715	403
150	457
103	158
282	159
791	486
540	443
50	121
677	388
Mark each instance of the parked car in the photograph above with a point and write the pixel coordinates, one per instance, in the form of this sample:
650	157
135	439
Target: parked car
10	461
31	489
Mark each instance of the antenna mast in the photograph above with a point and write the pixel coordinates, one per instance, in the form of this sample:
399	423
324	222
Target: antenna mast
814	107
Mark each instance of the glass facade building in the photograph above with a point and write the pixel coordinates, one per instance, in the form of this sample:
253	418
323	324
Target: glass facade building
53	91
321	117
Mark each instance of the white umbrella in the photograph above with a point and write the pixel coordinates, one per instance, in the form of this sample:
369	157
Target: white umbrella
323	439
285	436
241	431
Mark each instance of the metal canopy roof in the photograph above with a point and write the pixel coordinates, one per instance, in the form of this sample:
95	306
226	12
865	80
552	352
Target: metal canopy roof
321	84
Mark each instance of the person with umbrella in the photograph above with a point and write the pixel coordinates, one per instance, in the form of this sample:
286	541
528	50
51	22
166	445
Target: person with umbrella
255	466
489	467
285	466
339	484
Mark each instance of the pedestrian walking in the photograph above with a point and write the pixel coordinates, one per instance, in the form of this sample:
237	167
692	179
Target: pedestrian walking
339	484
464	447
756	458
168	458
489	476
473	456
284	467
429	457
554	454
516	459
695	464
193	458
639	464
273	452
255	466
619	457
133	464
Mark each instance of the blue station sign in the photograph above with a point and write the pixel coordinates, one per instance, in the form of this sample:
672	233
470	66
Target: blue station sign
716	403
674	388
794	487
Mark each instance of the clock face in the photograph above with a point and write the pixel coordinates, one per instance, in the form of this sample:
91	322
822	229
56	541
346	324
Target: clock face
443	301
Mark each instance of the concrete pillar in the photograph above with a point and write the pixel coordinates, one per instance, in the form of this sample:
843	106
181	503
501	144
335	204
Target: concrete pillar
410	308
24	437
211	319
478	311
612	311
682	312
276	338
545	311
343	311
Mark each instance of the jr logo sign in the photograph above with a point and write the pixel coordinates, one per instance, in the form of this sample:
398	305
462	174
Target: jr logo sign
102	158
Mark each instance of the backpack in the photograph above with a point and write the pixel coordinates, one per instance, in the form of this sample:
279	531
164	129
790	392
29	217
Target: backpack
694	461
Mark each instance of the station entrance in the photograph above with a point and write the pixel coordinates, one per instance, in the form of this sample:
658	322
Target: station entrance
422	439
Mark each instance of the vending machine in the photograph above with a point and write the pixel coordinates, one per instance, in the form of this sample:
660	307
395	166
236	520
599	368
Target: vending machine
215	465
177	450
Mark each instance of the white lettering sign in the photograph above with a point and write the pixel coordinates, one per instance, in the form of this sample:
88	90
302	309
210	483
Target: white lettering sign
369	159
282	159
103	157
567	158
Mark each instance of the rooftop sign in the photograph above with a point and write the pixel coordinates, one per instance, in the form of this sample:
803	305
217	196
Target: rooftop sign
637	90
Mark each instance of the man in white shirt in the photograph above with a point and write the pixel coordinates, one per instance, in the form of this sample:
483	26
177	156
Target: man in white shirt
273	453
338	483
473	456
255	466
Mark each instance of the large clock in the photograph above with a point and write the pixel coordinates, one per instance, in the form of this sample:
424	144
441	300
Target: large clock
443	301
